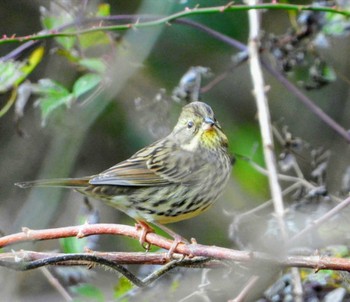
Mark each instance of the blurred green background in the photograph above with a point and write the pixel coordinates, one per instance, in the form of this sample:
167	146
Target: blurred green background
88	139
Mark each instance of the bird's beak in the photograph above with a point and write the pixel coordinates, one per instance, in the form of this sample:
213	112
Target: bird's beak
208	124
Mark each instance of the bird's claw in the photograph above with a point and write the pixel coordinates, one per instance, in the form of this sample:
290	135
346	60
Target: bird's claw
145	229
177	240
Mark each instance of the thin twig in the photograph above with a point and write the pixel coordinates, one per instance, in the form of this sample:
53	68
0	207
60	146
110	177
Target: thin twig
246	290
316	223
264	114
307	102
56	284
297	285
168	19
298	180
290	87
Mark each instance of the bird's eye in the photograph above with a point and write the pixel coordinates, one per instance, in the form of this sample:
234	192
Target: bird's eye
190	124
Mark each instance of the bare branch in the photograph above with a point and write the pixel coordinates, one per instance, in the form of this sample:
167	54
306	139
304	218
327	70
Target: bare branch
129	231
245	291
199	255
308	102
56	284
264	114
316	223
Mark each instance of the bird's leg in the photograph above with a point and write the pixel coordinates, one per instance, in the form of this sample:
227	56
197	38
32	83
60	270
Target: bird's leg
177	238
145	229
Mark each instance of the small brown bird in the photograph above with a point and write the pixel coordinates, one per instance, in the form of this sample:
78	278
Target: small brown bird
175	178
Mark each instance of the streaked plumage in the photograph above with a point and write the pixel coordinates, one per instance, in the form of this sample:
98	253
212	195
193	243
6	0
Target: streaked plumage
173	179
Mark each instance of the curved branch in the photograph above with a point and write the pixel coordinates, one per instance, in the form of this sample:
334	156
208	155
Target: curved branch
26	260
93	259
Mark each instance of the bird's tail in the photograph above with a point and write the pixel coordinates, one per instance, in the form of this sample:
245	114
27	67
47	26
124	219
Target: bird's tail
58	182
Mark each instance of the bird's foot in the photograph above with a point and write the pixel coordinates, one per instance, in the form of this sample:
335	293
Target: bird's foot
145	229
178	239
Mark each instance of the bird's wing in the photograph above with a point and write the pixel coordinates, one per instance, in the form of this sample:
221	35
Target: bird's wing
129	173
151	166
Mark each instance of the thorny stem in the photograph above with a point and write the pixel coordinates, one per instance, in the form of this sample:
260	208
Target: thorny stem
188	12
89	259
192	250
202	256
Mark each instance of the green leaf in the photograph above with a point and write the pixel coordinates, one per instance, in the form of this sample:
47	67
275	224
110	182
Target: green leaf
336	24
93	64
52	22
10	73
66	42
13	73
174	286
73	244
88	291
52	96
122	287
77	245
104	10
49	22
329	73
94	39
86	83
247	142
31	62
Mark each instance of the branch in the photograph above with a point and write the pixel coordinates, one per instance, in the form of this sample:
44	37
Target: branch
279	76
187	255
316	223
308	102
193	251
124	230
27	260
89	260
121	258
156	21
176	18
264	115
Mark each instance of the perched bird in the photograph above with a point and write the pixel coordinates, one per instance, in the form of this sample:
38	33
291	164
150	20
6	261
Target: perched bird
175	178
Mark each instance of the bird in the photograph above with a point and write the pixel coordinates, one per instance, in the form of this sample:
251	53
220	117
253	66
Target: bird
175	178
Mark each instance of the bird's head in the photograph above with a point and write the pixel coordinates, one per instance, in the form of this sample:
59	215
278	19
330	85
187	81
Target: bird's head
197	127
